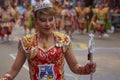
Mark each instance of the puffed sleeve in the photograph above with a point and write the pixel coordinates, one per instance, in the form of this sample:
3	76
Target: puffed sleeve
28	43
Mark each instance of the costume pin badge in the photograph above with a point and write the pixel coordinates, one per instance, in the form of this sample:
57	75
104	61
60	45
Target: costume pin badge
59	43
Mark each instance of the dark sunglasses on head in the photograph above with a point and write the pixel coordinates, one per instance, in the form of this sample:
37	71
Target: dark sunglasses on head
45	20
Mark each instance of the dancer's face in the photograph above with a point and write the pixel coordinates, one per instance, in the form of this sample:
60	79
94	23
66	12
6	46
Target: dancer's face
45	23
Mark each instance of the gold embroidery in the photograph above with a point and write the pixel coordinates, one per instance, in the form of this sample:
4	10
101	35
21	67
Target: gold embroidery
29	42
62	37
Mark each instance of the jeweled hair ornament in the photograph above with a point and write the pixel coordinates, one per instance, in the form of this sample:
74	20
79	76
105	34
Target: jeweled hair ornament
41	4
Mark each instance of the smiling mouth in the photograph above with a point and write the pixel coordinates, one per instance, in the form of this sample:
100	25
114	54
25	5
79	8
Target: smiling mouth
47	27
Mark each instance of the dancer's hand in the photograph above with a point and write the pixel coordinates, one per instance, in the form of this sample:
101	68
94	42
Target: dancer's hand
90	68
87	69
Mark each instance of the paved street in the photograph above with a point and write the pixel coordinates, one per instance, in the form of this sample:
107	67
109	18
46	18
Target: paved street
107	56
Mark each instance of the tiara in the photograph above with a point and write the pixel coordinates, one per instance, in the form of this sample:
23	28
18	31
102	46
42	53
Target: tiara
42	4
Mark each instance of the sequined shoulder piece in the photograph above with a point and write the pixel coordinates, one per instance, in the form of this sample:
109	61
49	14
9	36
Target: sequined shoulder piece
95	10
77	9
62	38
87	9
105	10
29	42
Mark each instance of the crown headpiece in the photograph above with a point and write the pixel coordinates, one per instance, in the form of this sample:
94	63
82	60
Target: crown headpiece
41	4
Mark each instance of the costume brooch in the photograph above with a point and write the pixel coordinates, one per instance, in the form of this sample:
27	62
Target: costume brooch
41	4
59	43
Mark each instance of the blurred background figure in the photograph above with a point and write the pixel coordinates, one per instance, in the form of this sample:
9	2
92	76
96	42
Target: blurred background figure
7	21
82	18
28	17
101	23
69	15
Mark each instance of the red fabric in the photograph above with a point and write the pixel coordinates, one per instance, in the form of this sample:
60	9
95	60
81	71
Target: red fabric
1	33
47	57
80	26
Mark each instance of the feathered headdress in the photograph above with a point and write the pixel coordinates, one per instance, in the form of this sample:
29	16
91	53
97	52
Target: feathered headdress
42	4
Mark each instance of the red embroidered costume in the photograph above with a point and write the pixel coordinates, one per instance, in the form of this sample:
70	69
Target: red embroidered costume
46	64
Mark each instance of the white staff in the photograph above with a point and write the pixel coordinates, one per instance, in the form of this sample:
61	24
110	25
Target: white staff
91	50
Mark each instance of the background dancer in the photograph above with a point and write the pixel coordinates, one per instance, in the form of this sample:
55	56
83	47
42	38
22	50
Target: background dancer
100	21
6	22
82	18
28	17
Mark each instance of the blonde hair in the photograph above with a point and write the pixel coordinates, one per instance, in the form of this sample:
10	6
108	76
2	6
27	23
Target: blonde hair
46	11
